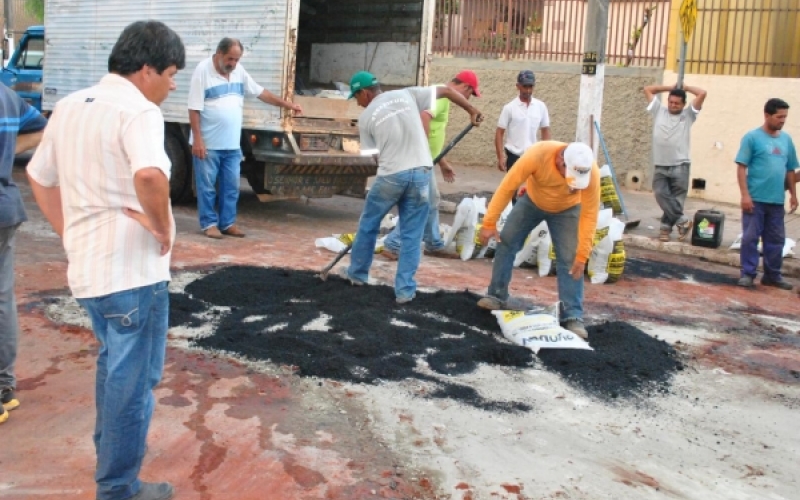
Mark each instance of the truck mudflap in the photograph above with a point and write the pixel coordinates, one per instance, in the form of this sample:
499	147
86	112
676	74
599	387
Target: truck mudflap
310	176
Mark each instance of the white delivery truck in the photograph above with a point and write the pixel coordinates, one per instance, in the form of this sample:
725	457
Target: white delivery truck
297	49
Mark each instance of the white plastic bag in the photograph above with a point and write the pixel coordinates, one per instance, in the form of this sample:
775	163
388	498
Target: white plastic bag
788	246
601	265
528	252
333	244
466	225
544	260
538	329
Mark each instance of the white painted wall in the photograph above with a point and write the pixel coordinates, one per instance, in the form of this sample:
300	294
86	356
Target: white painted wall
735	105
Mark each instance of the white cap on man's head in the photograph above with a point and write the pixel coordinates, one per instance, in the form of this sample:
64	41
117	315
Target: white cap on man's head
578	158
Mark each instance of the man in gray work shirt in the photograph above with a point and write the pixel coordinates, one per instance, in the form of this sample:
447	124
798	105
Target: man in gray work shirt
391	129
671	147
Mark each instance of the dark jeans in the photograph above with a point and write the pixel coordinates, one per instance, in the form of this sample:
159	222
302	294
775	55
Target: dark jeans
511	159
564	229
670	185
765	222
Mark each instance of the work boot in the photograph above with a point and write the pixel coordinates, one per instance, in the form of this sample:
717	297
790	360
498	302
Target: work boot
684	229
441	253
233	231
576	326
405	300
746	281
783	285
8	399
388	254
664	235
491	303
345	275
213	233
154	491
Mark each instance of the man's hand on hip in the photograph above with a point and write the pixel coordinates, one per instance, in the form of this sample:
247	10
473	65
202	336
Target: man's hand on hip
164	238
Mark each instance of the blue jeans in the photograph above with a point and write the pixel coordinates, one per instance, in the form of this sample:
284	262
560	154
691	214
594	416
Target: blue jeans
670	186
563	228
222	168
409	191
9	327
131	327
765	222
432	237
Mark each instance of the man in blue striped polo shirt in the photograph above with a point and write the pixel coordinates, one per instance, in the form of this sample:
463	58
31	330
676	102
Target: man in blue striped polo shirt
216	99
20	130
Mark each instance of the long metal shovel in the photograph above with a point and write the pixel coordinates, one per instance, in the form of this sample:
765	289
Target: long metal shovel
323	275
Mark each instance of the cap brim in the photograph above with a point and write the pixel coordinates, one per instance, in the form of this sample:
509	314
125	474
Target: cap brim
475	92
352	94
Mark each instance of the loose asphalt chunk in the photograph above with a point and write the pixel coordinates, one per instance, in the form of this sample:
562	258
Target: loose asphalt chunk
337	331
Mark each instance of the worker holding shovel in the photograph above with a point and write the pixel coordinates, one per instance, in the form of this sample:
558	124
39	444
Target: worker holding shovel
391	129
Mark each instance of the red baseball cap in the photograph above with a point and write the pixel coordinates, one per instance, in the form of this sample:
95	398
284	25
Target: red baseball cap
471	79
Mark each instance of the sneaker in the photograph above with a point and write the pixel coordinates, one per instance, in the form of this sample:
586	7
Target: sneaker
233	231
213	233
491	303
441	253
8	399
746	281
577	328
405	300
684	229
783	285
154	491
343	274
388	254
664	235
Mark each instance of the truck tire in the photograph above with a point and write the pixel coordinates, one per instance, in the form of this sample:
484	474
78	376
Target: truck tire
254	172
179	153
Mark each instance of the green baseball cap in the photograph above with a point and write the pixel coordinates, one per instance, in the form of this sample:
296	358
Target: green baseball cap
361	80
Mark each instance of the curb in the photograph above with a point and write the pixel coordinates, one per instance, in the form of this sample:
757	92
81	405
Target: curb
790	268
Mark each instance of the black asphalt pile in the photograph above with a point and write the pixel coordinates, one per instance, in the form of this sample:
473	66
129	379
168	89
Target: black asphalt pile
644	268
355	334
337	331
626	363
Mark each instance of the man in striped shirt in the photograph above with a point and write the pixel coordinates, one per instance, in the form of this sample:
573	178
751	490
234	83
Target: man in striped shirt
101	178
20	130
216	100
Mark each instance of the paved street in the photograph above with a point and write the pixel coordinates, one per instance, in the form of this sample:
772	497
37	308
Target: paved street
724	428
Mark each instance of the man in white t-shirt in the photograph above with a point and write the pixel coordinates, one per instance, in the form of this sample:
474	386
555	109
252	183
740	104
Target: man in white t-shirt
519	123
101	178
216	99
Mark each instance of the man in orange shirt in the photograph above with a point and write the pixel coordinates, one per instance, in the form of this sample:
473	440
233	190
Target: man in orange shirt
563	189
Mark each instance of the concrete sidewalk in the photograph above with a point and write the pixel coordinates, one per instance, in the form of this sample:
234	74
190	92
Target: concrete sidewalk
642	206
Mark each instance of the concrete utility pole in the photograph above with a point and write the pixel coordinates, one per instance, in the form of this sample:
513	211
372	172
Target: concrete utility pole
593	71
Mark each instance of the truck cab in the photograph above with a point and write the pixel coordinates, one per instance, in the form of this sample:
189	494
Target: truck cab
23	73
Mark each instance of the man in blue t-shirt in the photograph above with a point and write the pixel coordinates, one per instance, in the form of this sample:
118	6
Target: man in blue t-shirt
20	130
766	163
